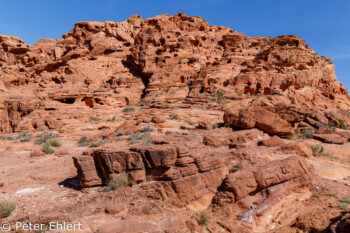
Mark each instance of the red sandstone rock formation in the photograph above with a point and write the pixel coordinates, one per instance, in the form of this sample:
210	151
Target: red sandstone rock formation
163	58
206	100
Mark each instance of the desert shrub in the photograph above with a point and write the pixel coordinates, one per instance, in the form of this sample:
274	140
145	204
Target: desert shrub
188	121
146	136
6	208
342	124
112	120
148	128
119	133
6	138
24	137
308	133
252	162
346	200
316	194
42	128
44	137
129	109
329	193
203	218
54	142
174	116
97	143
237	167
342	206
47	148
135	137
332	125
317	149
212	155
94	119
120	180
146	143
217	97
290	136
215	125
82	140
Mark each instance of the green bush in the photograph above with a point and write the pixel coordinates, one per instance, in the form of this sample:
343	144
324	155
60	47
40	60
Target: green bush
146	136
342	124
203	218
47	148
6	208
83	139
119	133
94	119
147	143
237	167
342	206
346	200
44	137
42	128
148	128
54	142
120	180
24	137
97	143
112	120
135	137
129	109
290	136
317	149
174	116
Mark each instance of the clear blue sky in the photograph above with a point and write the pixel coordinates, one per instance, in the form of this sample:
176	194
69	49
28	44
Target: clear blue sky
324	24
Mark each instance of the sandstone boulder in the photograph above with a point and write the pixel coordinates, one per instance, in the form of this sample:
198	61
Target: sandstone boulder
330	138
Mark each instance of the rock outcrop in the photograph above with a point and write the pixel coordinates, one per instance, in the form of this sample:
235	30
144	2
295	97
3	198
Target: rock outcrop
173	125
160	59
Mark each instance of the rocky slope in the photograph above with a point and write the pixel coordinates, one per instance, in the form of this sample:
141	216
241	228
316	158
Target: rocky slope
209	130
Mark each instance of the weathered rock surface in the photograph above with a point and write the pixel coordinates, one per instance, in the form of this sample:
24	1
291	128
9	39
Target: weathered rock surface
160	59
294	170
197	118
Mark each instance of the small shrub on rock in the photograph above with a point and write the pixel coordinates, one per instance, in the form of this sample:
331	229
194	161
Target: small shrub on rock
44	137
174	116
148	128
54	142
47	148
342	125
342	206
237	167
120	180
290	136
97	143
129	109
119	133
24	137
94	119
42	128
6	208
203	218
83	141
317	149
135	137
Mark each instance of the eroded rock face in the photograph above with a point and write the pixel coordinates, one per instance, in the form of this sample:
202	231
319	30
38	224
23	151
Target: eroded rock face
211	113
294	170
161	59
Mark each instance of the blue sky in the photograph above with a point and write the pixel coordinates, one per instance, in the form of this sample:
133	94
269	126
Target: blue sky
324	24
